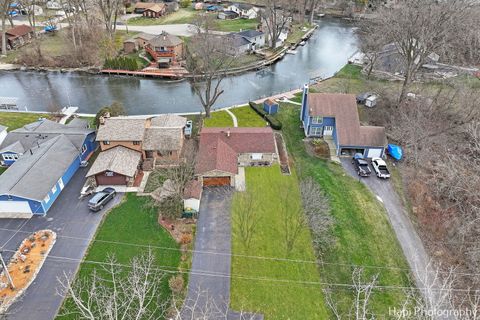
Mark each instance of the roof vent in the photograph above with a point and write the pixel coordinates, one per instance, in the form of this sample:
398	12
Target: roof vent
228	132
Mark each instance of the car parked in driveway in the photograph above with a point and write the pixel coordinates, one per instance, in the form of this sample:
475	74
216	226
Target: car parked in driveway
380	168
362	97
100	199
361	165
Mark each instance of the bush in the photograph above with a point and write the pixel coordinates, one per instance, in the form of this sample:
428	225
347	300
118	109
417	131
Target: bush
274	122
176	284
186	238
185	3
121	63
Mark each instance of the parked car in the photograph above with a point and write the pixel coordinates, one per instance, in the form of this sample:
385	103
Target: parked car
100	199
380	168
188	128
361	165
362	97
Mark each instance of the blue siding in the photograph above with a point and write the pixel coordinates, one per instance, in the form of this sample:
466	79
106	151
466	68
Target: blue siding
91	145
35	206
7	162
303	112
270	109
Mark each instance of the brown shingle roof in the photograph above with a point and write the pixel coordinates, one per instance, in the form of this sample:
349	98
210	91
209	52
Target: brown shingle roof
218	151
165	40
343	108
157	7
144	5
121	129
120	160
19	31
163	139
193	189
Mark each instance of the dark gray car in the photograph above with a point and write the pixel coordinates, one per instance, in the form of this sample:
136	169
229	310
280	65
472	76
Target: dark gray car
100	199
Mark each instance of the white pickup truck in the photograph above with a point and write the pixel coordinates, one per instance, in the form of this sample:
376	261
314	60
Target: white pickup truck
380	168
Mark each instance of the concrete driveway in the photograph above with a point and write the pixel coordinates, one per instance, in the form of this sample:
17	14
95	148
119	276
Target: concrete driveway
75	226
412	246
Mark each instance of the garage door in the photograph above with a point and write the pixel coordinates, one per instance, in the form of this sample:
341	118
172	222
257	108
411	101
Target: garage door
15	206
111	180
374	153
216	181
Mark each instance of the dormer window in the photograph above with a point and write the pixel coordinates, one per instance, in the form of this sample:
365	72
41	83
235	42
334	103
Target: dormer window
317	120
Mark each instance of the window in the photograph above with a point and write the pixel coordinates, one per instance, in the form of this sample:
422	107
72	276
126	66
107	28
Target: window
6	157
84	148
136	143
15	157
109	173
315	131
54	189
47	198
106	142
256	156
60	183
317	120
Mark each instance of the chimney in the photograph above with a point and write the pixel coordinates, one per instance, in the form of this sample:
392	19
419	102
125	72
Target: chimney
101	120
228	132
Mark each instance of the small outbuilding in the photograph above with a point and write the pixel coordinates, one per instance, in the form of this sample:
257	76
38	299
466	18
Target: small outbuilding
192	196
155	11
270	106
228	15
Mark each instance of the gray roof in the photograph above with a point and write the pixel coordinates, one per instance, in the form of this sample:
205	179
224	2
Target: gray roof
250	33
165	40
243	6
168	121
121	129
142	35
40	131
236	41
34	174
120	160
166	139
15	147
2	128
78	123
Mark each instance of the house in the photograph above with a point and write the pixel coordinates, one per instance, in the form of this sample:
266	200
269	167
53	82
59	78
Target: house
192	195
42	157
3	133
238	43
335	117
155	11
140	7
223	150
159	139
270	106
244	10
116	166
53	5
227	15
165	49
137	42
256	38
18	36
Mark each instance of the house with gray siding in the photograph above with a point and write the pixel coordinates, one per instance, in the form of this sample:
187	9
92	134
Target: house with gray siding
334	117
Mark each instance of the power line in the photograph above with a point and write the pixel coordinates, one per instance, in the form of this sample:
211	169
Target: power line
244	277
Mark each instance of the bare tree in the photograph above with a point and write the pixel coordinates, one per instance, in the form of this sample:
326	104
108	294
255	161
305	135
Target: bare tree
4	7
276	16
419	28
117	292
371	44
110	10
208	58
245	218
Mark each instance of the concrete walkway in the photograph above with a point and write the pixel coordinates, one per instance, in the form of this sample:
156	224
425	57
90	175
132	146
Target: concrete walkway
67	113
234	118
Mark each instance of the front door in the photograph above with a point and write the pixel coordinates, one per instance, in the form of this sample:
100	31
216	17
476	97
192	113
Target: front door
149	154
327	130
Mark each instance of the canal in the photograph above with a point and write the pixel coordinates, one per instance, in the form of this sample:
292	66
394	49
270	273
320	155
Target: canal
324	54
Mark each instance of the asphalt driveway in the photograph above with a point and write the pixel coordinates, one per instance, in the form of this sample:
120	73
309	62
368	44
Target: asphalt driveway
412	246
75	226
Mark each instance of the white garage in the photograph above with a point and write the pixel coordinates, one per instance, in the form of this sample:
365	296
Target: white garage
14	206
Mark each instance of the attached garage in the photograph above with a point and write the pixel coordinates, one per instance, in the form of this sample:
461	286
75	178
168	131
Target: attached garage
15	206
216	181
109	178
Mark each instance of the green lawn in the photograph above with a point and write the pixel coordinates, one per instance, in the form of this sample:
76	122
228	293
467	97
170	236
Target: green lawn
362	230
247	117
131	222
236	25
183	15
2	170
276	300
15	120
218	119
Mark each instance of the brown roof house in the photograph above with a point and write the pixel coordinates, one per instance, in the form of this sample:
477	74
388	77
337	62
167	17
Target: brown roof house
140	7
137	42
334	117
224	151
155	11
18	36
159	139
165	49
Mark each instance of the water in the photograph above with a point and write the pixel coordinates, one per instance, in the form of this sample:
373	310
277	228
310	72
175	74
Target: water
325	53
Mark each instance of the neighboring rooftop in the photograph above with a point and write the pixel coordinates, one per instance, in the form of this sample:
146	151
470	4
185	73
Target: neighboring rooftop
165	40
2	128
120	160
249	33
168	121
19	31
243	6
121	129
343	107
193	189
157	7
163	139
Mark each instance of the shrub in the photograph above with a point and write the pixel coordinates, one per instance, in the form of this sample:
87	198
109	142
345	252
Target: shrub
186	238
176	283
123	63
185	3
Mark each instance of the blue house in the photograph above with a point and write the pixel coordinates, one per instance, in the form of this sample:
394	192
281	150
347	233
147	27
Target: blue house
334	117
270	106
45	156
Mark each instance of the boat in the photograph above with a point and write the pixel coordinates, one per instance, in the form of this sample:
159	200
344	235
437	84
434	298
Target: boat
321	15
303	43
290	51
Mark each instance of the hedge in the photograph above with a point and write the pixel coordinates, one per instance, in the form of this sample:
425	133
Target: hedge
274	122
121	63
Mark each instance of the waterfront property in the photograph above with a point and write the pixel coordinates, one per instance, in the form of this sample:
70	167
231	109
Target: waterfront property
18	36
42	158
244	10
227	15
334	117
223	150
165	49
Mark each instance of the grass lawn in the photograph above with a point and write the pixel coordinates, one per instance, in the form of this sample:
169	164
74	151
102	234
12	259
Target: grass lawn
2	170
183	15
15	120
297	33
218	119
362	230
276	300
236	25
132	223
247	117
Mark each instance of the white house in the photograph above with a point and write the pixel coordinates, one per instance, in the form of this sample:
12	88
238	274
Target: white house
244	10
3	133
53	5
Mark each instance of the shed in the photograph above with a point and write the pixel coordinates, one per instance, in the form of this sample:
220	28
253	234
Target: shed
227	15
192	195
270	106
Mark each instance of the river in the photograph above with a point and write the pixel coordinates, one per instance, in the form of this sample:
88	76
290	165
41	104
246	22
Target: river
324	54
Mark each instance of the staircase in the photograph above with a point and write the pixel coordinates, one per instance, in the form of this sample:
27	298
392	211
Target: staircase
332	148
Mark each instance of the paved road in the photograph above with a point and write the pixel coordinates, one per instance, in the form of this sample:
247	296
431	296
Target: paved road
209	283
68	217
411	244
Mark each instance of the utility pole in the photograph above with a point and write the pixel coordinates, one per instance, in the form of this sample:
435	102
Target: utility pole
5	269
